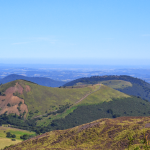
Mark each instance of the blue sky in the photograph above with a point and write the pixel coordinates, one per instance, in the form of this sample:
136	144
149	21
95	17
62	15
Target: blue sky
75	32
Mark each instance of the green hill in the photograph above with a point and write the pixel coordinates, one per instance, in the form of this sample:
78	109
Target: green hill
117	84
102	94
126	84
39	99
29	106
123	133
40	105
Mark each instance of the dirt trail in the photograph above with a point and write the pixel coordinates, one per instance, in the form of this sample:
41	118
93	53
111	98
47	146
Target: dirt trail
88	95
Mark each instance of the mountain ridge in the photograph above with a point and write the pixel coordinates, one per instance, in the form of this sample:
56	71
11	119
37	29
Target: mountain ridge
138	87
38	80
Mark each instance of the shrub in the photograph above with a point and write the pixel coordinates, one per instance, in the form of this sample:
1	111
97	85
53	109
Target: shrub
8	135
13	139
25	136
116	115
110	111
8	105
36	111
13	136
18	108
19	103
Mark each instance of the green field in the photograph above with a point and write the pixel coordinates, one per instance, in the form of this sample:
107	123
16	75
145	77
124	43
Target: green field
104	94
4	141
7	142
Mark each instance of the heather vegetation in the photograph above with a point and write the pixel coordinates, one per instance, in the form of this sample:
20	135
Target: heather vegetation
122	133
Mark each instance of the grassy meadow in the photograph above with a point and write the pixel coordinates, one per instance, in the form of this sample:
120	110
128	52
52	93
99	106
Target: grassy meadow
7	142
4	141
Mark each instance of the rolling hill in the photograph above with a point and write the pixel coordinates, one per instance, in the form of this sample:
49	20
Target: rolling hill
30	100
29	106
126	84
122	133
41	109
38	80
22	96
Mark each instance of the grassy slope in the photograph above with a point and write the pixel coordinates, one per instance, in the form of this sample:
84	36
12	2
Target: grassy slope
128	88
100	134
139	87
131	106
104	94
48	99
4	141
117	84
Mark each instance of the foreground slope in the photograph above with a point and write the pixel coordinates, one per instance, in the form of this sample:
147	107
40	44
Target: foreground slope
112	134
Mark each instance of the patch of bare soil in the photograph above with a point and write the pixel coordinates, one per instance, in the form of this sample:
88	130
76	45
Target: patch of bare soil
17	88
13	104
28	89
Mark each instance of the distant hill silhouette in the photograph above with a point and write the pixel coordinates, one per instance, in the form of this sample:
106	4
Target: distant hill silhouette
38	80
